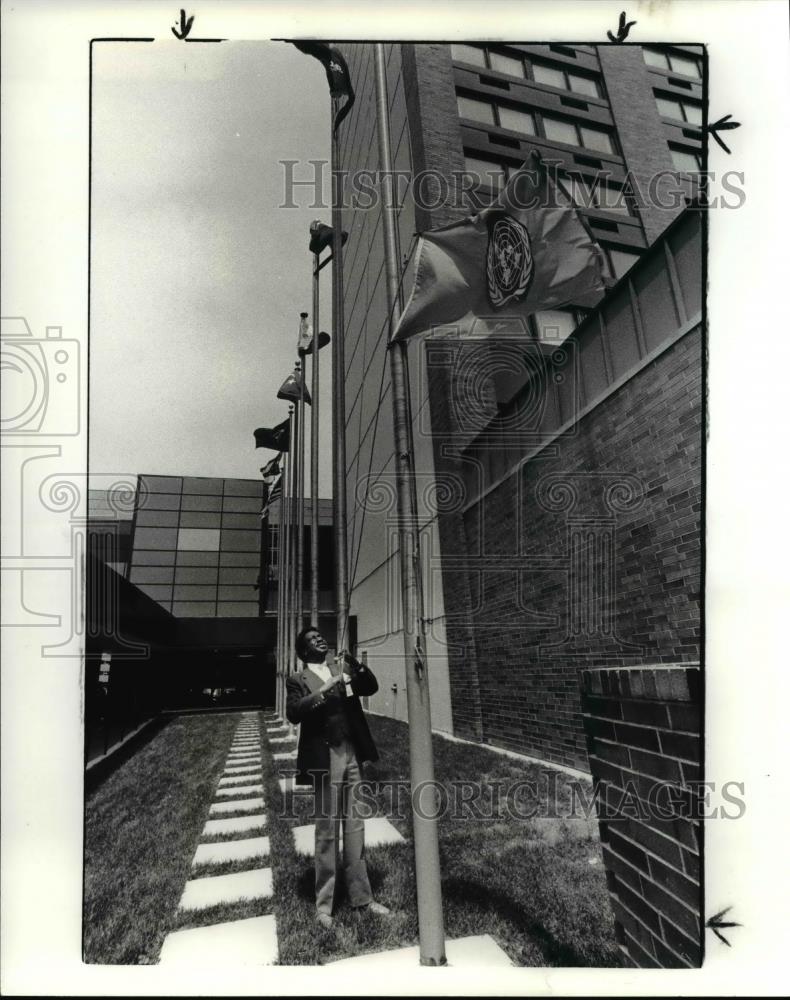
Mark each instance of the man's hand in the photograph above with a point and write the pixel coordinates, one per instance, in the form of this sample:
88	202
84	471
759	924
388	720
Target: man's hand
327	686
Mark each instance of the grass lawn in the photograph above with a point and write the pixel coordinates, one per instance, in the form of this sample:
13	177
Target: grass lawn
536	885
142	825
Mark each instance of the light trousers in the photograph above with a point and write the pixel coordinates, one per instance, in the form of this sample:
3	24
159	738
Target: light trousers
336	803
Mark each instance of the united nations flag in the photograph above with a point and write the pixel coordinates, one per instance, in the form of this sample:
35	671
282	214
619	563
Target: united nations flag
528	251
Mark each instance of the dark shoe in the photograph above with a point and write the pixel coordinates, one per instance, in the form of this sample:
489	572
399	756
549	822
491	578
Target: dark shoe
325	920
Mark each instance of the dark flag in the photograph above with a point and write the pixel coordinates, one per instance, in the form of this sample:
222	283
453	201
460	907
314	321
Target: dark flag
323	236
337	74
271	471
275	438
291	388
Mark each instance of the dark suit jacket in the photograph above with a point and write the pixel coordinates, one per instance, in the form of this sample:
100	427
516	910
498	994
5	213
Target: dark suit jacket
305	707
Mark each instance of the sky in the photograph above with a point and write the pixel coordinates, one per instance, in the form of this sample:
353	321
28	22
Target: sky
197	275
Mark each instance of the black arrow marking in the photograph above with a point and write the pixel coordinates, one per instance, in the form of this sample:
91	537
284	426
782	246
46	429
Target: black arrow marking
716	924
622	30
186	26
712	128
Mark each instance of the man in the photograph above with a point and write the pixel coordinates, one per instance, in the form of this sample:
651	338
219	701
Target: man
334	740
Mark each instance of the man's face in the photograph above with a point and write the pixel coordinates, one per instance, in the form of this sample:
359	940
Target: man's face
316	646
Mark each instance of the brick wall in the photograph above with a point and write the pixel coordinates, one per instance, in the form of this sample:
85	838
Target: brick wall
641	134
643	734
520	616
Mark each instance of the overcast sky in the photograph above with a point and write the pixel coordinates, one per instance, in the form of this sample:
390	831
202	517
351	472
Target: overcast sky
198	277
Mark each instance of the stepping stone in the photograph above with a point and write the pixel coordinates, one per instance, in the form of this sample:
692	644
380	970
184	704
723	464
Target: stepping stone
252	745
235	942
242	805
202	892
240	824
282	739
276	729
236	779
241	790
288	784
242	758
480	951
378	831
284	756
241	769
233	850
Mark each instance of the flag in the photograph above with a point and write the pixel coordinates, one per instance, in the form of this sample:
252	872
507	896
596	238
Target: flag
291	388
275	438
529	250
323	236
305	338
275	495
271	470
337	74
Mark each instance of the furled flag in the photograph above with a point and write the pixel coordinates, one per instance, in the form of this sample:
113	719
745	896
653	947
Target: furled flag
304	344
337	74
323	236
271	471
275	438
291	388
529	250
275	495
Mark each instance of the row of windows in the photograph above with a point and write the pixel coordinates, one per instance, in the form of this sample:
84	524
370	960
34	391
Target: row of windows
552	75
536	123
197	539
197	519
191	593
686	65
172	557
194	574
207	609
199	485
582	192
177	501
679	110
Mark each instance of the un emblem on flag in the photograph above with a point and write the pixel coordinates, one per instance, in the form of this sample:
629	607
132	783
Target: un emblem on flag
510	266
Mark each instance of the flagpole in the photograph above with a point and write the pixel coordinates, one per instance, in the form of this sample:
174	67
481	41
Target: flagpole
292	524
338	401
285	557
314	452
281	529
426	837
300	504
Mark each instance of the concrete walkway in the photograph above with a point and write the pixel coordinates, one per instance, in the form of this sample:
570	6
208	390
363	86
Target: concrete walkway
235	835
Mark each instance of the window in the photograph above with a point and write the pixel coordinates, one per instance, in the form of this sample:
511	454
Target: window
562	130
596	138
478	111
686	159
683	111
594	193
518	121
621	261
488	172
684	64
555	76
506	64
468	54
198	539
496	114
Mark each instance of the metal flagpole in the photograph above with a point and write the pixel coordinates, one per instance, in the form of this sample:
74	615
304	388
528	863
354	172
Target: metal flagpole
282	586
285	557
300	506
314	453
293	545
426	837
338	401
